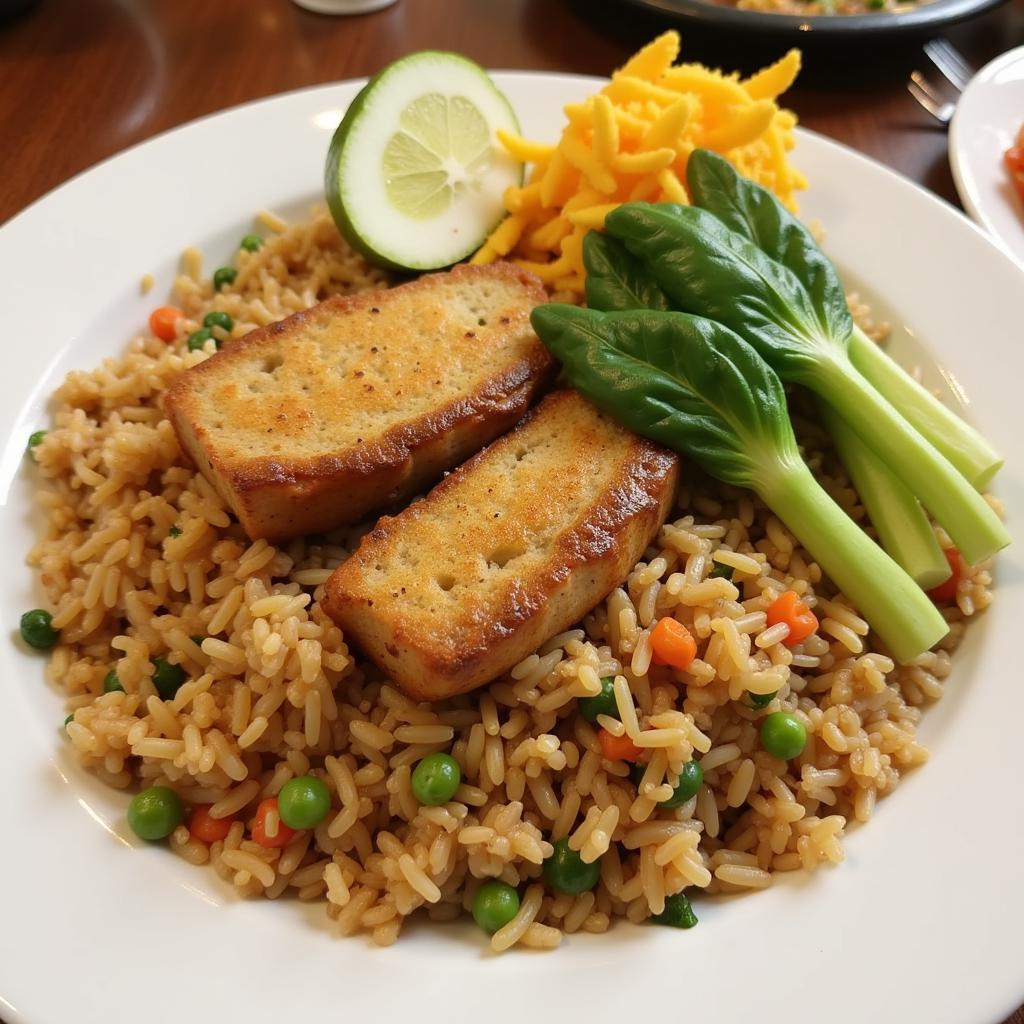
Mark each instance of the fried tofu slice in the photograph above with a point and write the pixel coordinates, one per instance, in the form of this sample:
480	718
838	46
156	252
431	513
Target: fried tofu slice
513	547
362	401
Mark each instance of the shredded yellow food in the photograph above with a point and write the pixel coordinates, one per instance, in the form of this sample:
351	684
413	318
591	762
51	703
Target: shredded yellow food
631	141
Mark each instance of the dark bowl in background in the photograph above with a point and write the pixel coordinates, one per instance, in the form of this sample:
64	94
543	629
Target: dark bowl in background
927	18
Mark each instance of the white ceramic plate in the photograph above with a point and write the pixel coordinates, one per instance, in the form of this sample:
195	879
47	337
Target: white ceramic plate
988	116
922	922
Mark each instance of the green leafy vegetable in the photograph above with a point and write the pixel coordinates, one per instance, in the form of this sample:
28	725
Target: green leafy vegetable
694	385
616	279
677	913
957	440
750	210
707	269
895	513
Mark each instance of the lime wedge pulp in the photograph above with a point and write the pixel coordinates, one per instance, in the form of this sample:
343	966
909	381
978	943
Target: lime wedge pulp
443	145
414	174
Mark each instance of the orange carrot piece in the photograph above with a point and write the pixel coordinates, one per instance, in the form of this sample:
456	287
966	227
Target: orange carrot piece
946	591
617	748
672	644
204	826
788	608
259	826
162	322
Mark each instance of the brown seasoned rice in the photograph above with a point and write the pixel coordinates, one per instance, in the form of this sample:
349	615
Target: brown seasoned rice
139	556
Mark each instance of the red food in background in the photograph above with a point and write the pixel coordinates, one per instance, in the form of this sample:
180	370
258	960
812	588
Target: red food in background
1014	160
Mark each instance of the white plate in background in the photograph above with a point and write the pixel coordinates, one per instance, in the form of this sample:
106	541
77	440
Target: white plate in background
922	923
988	117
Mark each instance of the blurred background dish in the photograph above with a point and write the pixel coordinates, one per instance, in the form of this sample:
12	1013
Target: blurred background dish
988	118
893	18
343	6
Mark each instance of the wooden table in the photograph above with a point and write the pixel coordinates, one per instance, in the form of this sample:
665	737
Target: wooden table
82	79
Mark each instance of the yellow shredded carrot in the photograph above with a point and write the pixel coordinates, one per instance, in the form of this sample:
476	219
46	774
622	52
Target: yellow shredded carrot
525	150
775	79
671	186
744	126
630	141
655	58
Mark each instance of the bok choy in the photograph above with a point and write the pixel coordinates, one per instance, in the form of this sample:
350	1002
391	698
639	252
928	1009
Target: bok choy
803	331
903	528
618	280
697	387
752	211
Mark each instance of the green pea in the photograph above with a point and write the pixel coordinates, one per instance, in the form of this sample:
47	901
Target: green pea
218	318
303	802
37	630
721	572
876	5
223	276
783	735
69	719
167	678
495	903
435	779
761	700
677	913
174	531
250	243
155	813
691	778
197	339
602	704
111	684
34	439
566	872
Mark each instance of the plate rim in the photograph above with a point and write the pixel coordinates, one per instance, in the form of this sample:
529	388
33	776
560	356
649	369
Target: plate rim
957	152
846	152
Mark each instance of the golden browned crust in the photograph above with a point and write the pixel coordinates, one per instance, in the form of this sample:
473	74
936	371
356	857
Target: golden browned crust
281	495
587	555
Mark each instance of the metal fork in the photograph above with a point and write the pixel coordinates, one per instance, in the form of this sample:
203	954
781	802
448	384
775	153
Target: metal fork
946	58
918	87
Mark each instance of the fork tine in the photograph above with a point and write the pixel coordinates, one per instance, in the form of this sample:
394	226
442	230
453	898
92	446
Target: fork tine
921	96
956	60
942	112
922	83
949	62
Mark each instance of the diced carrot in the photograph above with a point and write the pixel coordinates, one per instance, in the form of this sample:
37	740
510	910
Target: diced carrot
946	591
284	834
788	608
672	644
617	748
162	322
208	828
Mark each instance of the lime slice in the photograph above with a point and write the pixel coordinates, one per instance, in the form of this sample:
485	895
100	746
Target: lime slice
415	174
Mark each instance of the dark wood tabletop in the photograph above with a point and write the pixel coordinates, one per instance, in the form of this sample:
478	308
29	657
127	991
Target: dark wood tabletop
82	79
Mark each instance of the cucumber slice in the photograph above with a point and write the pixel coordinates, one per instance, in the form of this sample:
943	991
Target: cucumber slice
415	174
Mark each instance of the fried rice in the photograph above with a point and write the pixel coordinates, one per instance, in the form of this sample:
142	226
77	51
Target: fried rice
140	559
